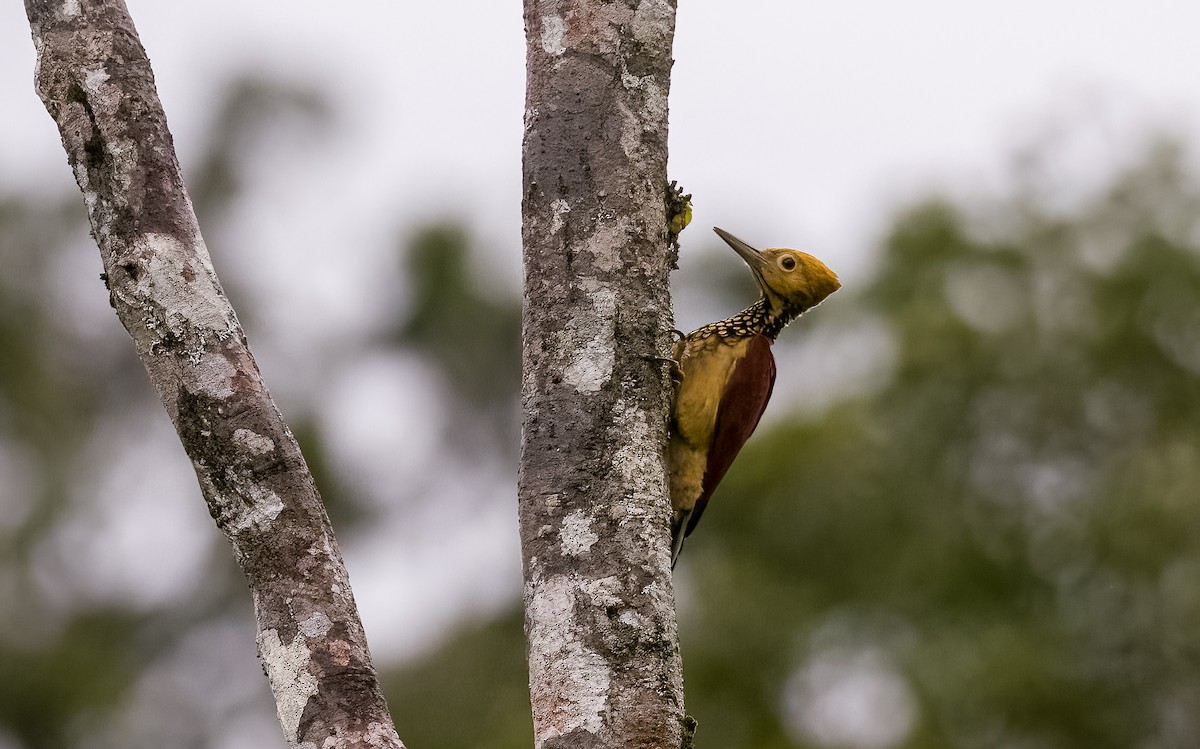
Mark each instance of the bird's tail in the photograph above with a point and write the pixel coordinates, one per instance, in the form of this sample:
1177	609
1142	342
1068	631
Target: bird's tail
679	524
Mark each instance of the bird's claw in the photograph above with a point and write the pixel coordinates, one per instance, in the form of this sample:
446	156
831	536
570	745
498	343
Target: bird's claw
675	371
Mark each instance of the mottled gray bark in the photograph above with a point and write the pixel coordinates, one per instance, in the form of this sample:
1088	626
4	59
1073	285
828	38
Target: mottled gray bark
95	80
603	653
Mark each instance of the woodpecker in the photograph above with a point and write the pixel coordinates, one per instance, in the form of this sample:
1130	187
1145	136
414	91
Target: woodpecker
726	375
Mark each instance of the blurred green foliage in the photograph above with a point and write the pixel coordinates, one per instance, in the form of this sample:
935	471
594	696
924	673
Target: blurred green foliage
995	543
469	330
1012	519
472	692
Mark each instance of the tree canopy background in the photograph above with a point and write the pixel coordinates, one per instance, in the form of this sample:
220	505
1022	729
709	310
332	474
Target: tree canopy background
968	519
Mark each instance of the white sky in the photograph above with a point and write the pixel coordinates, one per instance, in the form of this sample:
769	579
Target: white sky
792	123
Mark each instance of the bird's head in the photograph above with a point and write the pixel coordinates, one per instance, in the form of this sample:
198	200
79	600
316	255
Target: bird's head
791	281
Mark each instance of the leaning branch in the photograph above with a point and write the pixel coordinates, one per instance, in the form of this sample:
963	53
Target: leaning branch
96	82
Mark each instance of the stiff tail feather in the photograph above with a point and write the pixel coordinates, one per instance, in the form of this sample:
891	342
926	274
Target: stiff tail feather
679	529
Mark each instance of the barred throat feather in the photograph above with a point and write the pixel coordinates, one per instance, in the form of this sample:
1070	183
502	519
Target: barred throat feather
757	319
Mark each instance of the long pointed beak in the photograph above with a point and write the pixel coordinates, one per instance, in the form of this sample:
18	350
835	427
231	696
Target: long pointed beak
752	256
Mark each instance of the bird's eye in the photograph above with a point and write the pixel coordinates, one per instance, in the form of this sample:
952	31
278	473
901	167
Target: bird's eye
787	262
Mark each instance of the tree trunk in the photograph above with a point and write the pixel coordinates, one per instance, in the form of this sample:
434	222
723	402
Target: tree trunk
604	657
95	80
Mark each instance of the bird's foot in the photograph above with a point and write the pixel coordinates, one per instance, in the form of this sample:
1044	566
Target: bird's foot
675	371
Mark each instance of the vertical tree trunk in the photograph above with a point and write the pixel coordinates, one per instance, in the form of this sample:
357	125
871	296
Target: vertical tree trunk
95	81
599	604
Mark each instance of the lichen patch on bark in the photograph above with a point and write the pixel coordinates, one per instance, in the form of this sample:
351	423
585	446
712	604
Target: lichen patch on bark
260	508
608	237
93	79
253	443
636	460
574	694
554	28
316	625
558	208
182	280
291	682
577	536
591	340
